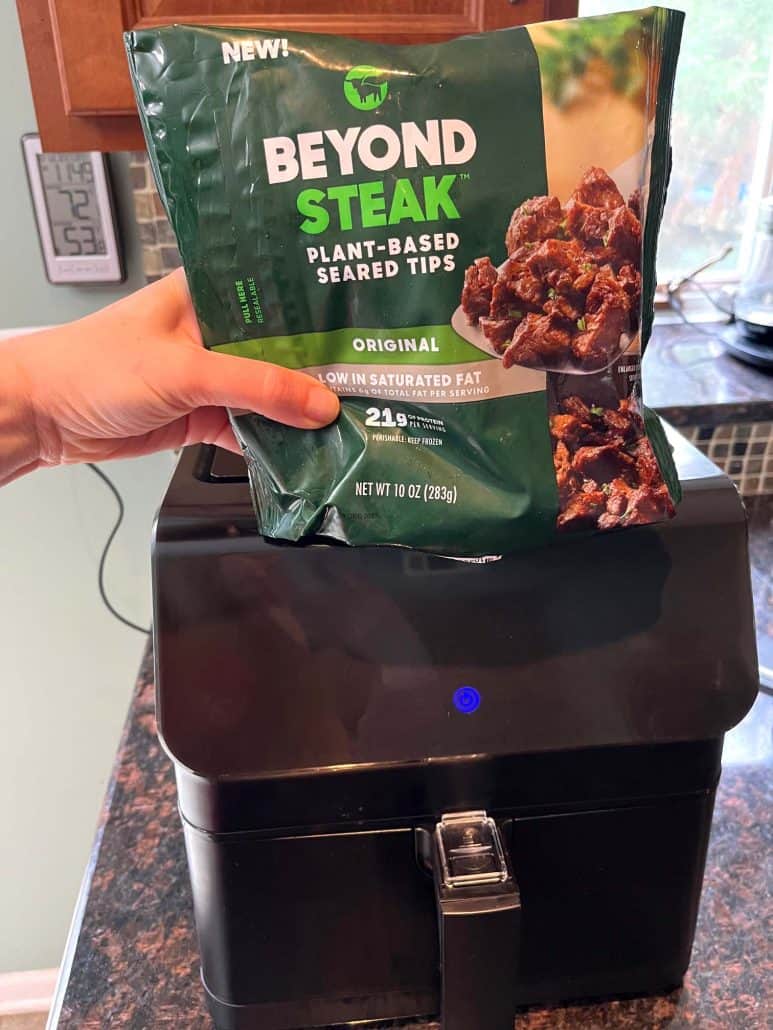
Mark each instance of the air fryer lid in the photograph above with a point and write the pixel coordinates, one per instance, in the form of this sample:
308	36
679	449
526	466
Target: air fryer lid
275	660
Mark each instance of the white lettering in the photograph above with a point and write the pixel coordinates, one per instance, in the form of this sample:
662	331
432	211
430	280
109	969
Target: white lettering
281	164
450	141
365	148
343	146
311	151
453	127
231	52
267	48
253	49
415	142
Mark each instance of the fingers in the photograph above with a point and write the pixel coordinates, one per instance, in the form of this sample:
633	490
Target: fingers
210	425
228	441
278	393
205	425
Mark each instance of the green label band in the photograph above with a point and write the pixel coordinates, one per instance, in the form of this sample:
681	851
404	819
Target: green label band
412	345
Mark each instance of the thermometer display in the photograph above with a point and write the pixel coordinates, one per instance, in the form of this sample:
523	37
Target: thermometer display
73	206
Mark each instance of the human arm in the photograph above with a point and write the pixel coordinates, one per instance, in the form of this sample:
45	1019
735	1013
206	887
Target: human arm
134	378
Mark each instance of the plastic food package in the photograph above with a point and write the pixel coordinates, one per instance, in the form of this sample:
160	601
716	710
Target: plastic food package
457	238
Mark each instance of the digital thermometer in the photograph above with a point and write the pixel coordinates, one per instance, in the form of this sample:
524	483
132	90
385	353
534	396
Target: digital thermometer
73	205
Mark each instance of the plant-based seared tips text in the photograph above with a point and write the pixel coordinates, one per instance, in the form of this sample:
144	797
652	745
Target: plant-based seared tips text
606	470
568	296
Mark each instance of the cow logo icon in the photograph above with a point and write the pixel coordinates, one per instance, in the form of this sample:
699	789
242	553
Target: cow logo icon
365	87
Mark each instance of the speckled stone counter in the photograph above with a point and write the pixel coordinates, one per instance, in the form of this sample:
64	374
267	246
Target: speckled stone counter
691	380
131	961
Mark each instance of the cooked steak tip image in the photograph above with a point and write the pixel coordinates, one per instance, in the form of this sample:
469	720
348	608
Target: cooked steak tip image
606	470
569	294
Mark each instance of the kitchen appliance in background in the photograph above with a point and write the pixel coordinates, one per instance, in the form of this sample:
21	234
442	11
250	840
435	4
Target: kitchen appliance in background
413	785
751	338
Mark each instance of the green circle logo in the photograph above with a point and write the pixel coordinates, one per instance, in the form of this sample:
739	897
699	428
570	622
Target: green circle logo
365	87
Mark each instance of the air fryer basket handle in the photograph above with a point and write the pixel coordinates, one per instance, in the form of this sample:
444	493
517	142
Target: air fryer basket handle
479	913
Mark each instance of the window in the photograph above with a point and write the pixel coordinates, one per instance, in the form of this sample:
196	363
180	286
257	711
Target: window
721	133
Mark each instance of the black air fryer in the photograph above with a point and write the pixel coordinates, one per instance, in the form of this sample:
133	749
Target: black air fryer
411	785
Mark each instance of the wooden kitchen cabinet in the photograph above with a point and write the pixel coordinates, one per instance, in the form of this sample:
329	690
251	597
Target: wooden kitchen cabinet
78	70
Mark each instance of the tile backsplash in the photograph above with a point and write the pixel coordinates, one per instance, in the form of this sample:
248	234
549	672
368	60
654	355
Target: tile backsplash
744	450
159	247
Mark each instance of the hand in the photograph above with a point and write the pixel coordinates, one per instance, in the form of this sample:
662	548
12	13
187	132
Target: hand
134	378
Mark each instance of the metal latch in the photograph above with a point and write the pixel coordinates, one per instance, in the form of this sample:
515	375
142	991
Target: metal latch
479	922
470	850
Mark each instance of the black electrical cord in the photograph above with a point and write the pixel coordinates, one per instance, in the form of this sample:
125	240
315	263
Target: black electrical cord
715	300
674	297
106	550
675	305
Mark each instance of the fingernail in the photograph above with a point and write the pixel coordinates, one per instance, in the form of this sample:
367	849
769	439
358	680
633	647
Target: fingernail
321	406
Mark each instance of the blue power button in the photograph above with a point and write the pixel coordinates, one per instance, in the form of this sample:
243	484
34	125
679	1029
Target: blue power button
467	700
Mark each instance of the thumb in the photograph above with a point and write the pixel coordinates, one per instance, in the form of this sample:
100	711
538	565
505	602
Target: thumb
278	393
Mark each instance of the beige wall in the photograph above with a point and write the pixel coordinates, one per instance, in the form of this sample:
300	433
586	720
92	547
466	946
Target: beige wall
67	666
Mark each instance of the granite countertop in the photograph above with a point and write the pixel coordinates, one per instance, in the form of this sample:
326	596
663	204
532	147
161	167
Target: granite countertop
690	379
131	961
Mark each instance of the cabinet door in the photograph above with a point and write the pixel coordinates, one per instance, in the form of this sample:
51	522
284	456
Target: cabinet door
78	69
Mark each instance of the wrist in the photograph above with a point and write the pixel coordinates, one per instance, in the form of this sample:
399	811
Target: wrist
19	446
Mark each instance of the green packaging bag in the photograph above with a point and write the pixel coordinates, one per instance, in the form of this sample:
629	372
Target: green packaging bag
457	238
